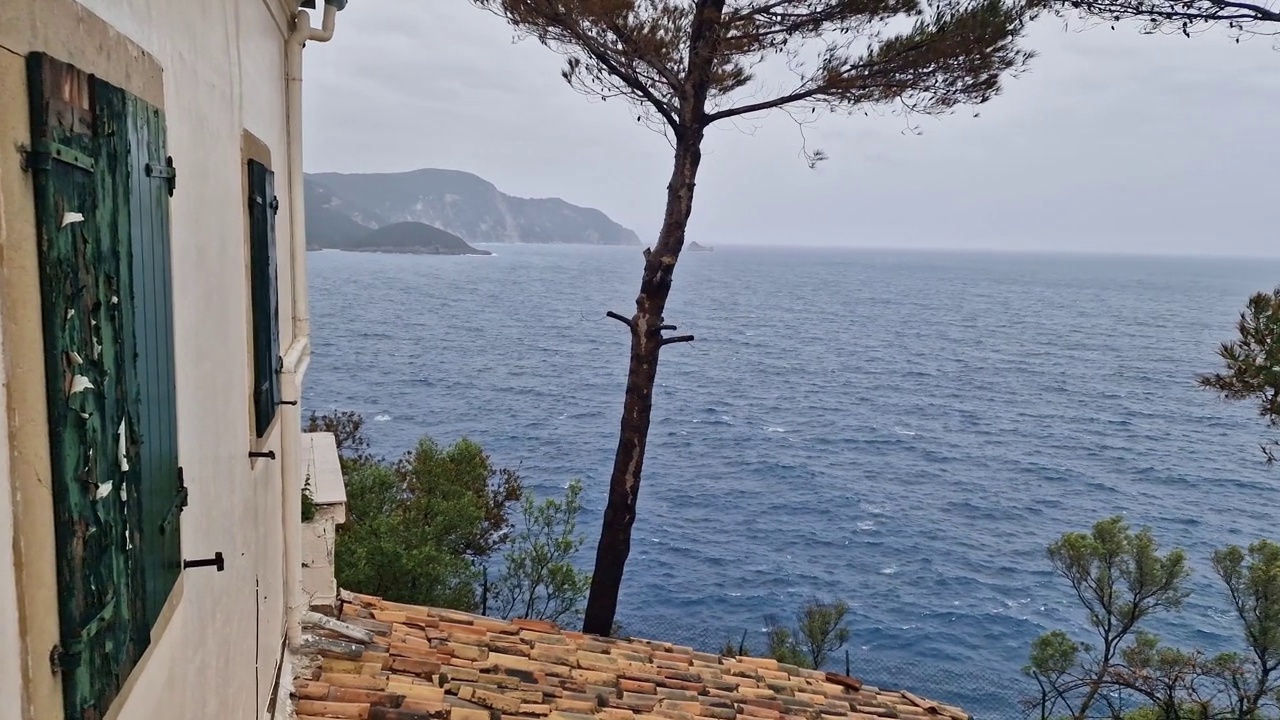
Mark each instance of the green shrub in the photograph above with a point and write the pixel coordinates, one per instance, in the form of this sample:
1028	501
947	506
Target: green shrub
422	529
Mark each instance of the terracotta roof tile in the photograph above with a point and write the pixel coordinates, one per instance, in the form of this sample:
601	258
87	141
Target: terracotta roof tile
433	664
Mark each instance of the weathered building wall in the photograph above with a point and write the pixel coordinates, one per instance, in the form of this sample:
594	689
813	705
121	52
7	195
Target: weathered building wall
217	67
322	473
10	647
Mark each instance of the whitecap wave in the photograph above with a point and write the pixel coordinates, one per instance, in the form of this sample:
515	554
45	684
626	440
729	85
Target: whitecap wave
382	418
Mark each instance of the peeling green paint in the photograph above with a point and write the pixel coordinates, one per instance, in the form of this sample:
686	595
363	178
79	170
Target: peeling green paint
103	235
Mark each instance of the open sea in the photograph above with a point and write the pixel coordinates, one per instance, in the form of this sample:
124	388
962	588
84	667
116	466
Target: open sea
904	430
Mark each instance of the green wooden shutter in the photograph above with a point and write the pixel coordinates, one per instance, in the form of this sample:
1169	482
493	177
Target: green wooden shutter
163	494
265	296
80	194
99	287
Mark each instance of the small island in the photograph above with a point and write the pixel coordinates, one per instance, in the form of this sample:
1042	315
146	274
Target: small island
411	238
695	247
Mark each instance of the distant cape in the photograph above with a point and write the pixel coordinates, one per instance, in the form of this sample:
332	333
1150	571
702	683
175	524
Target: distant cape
408	238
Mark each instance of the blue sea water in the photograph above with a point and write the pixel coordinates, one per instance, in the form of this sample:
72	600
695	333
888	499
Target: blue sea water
907	431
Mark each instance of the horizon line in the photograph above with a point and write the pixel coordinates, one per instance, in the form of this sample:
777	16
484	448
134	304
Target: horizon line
1184	254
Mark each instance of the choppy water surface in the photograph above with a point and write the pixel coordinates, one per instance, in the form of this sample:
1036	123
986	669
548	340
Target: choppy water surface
903	430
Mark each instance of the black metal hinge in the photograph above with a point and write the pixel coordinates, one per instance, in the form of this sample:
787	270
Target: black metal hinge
57	658
42	154
165	171
274	205
66	657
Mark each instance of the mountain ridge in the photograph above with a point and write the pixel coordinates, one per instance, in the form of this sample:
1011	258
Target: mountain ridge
458	202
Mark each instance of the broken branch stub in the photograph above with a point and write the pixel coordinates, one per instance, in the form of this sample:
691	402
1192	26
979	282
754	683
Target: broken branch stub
620	318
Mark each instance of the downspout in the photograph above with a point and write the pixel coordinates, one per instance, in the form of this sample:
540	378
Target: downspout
298	356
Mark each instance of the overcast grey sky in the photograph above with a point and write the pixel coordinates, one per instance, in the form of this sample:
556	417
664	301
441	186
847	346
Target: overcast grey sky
1113	141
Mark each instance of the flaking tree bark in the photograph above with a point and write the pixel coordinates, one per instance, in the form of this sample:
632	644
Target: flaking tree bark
686	64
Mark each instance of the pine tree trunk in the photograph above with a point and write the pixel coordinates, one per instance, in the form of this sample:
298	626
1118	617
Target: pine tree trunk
646	343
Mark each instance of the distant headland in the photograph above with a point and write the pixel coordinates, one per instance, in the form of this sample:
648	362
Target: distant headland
406	237
342	208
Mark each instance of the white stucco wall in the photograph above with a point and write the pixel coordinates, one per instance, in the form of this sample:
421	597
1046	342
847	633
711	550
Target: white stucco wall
223	74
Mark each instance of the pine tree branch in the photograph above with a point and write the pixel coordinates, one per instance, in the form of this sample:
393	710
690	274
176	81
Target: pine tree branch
1169	11
668	76
633	82
795	97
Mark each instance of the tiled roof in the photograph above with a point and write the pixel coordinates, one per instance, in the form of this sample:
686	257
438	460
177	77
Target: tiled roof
432	664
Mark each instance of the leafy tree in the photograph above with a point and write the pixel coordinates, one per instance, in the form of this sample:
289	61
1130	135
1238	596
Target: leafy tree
688	64
460	481
821	629
781	643
1252	579
1121	579
539	579
421	529
1166	677
1253	362
818	632
417	530
387	549
1054	657
1079	682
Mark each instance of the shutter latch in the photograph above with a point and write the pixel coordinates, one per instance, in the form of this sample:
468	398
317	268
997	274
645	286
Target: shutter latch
215	562
165	171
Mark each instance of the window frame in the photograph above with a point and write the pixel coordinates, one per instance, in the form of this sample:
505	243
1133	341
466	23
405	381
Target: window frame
106	156
263	313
